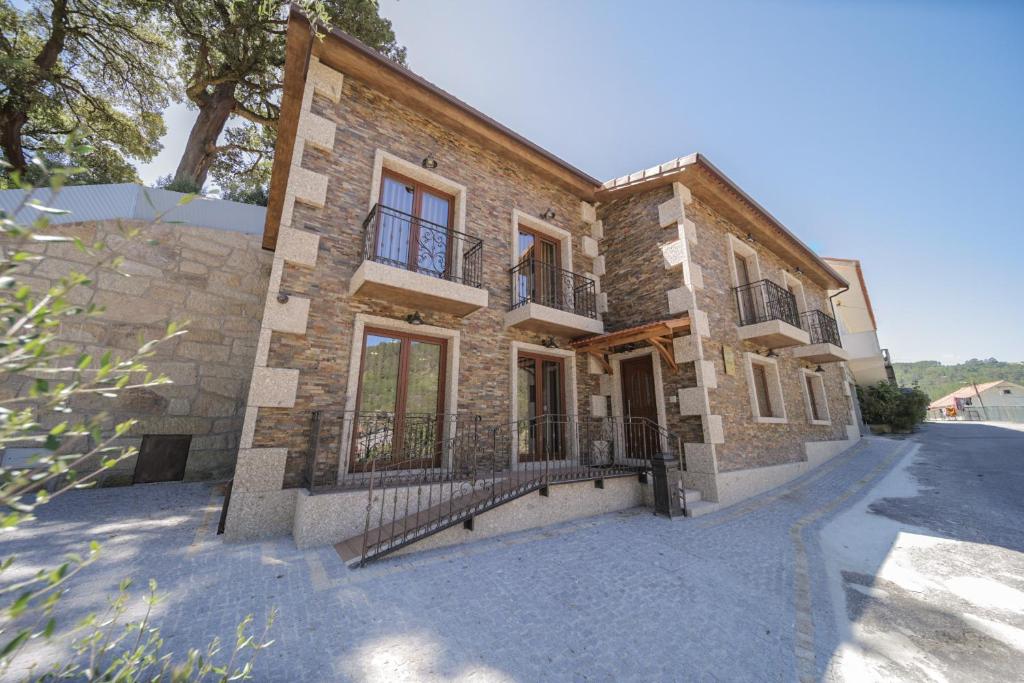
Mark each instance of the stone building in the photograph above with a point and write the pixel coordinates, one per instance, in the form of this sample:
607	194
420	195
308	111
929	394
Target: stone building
456	318
200	263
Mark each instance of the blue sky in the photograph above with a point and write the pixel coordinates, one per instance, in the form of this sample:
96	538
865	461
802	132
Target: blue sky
892	132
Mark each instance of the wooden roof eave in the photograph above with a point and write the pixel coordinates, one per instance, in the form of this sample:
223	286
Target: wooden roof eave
658	334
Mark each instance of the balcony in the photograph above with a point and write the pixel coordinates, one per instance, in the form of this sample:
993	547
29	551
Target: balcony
549	300
768	315
825	346
419	264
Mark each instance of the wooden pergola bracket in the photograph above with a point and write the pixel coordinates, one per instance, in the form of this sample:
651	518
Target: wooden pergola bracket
658	334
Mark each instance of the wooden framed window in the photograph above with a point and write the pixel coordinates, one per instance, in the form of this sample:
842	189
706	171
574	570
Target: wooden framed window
414	227
814	398
399	420
764	400
765	386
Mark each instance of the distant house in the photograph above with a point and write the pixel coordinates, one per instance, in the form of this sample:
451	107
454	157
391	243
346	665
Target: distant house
869	362
999	400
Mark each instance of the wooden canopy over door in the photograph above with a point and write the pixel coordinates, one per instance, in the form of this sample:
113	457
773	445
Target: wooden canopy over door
657	334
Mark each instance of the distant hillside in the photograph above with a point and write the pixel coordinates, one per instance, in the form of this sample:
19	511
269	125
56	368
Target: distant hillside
937	380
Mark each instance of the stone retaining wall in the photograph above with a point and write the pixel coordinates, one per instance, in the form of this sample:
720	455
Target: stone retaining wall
216	280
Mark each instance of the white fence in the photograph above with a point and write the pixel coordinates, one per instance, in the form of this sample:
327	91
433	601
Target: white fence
982	414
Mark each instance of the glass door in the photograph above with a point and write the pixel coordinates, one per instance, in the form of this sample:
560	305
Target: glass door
539	281
540	399
414	228
399	420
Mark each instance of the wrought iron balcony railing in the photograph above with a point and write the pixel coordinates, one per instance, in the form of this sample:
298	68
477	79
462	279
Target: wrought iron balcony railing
405	241
764	300
822	327
548	285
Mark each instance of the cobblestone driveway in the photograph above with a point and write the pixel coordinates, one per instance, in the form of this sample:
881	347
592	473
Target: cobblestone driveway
741	594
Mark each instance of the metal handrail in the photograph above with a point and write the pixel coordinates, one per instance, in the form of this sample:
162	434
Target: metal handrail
546	284
403	240
822	327
764	300
483	468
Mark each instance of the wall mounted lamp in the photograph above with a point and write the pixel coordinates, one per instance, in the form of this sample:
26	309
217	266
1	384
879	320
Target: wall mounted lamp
429	162
414	318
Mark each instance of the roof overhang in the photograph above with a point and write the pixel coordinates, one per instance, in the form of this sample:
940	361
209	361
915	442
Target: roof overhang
855	264
720	193
352	58
344	53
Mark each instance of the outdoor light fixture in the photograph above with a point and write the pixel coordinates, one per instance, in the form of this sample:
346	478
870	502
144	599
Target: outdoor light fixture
429	162
549	214
282	298
819	369
414	318
771	354
550	343
798	271
750	238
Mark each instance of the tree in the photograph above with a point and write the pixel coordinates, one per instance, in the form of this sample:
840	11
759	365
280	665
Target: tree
99	67
72	452
232	56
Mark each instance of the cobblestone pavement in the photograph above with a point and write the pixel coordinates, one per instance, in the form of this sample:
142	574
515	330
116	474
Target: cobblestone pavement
741	594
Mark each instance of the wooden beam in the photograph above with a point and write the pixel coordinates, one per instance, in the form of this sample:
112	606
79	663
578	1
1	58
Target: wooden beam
602	359
659	344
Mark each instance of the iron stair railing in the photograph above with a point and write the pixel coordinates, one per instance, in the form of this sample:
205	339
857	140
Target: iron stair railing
484	468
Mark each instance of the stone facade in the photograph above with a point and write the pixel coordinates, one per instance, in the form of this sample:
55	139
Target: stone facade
213	279
494	189
662	266
654	255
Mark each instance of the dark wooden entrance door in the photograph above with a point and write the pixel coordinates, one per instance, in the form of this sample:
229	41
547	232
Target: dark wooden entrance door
162	457
640	407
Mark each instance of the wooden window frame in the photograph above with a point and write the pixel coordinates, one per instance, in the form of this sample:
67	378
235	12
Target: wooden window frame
402	387
417	205
773	382
538	359
818	413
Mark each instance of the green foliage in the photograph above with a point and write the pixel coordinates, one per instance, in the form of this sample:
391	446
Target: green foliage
231	61
72	452
99	67
937	380
887	404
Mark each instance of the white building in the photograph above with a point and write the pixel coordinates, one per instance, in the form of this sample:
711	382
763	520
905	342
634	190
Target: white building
999	400
869	362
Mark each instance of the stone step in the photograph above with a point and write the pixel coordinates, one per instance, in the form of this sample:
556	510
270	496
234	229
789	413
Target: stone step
701	507
691	495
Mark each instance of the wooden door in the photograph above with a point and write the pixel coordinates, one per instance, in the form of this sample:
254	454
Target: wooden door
540	397
162	457
640	407
540	278
745	294
414	228
399	422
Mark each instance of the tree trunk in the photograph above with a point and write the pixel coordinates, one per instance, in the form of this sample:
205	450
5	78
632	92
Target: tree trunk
200	150
11	124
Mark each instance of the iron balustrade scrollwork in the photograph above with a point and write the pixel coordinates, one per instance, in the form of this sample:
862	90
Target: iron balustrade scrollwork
376	440
483	468
822	328
764	300
402	240
546	284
